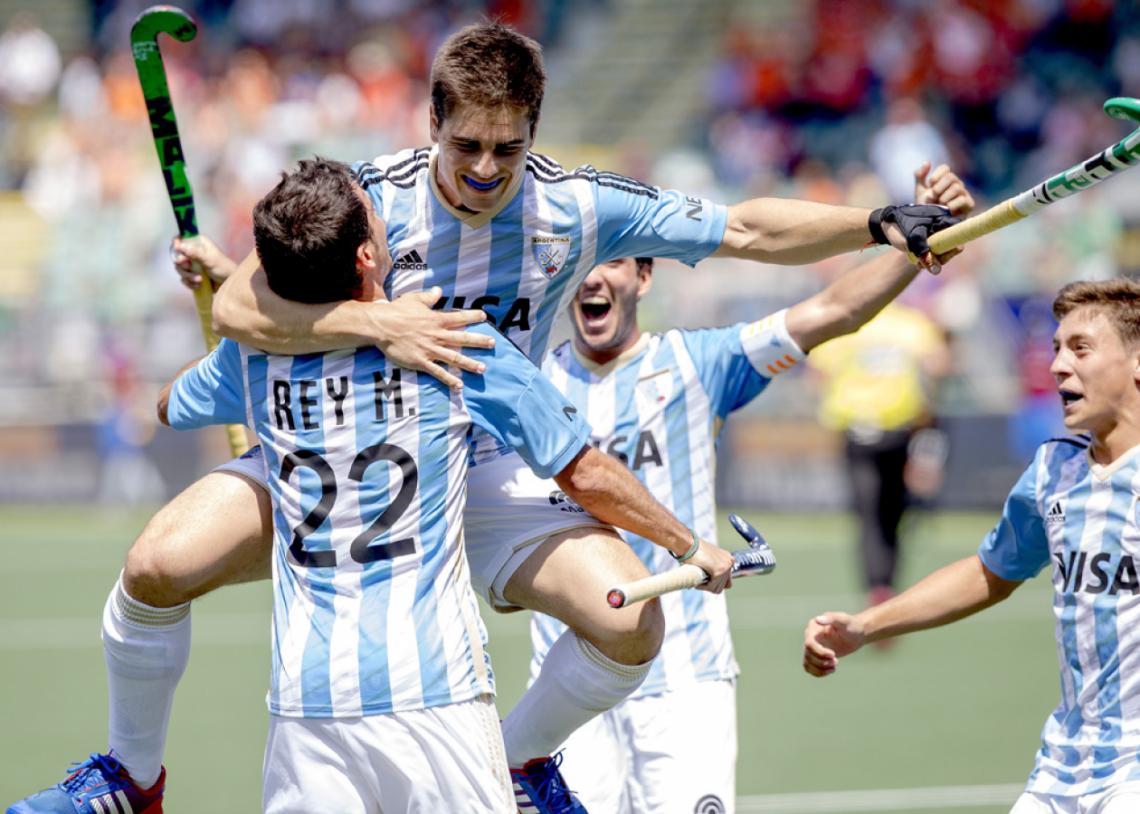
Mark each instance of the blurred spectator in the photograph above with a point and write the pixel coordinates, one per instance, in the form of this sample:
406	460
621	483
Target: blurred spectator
29	62
905	142
29	70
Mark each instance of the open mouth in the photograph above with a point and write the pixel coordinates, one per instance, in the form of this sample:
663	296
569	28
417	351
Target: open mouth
1068	397
481	186
594	309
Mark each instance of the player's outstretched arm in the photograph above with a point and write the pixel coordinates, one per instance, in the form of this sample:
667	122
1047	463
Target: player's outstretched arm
793	232
851	301
951	593
600	484
407	329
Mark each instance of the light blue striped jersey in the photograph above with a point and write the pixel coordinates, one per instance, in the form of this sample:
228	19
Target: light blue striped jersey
523	261
659	408
373	608
1082	518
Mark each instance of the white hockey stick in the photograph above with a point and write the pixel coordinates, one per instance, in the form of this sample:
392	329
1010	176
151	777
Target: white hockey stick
756	560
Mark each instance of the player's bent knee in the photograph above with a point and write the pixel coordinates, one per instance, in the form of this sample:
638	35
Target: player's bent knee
650	633
634	635
152	578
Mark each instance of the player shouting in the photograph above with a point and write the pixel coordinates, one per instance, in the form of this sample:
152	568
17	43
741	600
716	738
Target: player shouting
1075	509
658	402
494	226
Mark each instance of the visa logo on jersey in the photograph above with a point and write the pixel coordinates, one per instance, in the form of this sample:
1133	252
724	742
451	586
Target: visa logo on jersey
645	451
1102	572
515	314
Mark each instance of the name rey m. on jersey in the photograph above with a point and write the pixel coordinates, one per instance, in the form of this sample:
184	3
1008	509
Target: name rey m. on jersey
373	607
659	407
1084	519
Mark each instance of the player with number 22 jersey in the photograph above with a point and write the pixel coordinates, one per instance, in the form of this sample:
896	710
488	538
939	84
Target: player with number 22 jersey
373	609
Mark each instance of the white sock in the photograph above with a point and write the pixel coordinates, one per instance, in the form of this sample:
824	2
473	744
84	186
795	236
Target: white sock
146	650
576	683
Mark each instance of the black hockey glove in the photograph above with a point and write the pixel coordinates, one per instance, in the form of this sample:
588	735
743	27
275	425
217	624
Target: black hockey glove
917	222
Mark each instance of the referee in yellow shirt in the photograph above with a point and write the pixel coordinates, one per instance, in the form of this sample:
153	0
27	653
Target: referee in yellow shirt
878	388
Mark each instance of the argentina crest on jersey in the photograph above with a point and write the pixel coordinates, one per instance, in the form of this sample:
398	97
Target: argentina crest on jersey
654	389
550	252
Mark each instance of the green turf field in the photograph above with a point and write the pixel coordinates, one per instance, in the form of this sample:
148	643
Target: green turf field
952	715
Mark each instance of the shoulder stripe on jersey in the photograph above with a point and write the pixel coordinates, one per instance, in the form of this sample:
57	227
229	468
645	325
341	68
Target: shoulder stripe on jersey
546	161
547	166
370	174
404	180
1079	441
417	154
588	173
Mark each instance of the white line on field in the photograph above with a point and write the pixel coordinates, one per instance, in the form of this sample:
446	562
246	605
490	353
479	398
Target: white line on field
868	800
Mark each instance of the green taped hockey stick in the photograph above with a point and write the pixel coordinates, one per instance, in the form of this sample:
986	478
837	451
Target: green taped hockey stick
164	128
1117	158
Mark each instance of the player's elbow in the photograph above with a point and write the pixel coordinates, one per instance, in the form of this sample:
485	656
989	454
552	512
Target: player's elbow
820	318
225	316
163	406
584	476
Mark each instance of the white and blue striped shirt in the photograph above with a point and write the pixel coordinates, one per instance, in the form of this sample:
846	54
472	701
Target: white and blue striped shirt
373	609
659	408
523	261
1082	518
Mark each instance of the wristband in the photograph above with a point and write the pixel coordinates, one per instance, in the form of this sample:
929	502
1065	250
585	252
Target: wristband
688	555
875	226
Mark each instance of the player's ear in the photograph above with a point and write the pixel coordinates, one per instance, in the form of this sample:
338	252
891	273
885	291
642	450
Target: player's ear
644	279
366	256
433	124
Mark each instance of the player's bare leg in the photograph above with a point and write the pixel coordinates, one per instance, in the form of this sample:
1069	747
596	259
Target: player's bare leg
216	532
604	656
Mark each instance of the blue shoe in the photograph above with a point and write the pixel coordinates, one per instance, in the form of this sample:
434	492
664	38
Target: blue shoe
98	785
540	789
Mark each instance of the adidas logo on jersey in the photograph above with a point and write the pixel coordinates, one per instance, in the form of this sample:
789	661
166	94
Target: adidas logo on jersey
411	262
1055	514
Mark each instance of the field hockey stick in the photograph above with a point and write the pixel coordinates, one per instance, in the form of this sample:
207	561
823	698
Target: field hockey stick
1117	158
756	560
152	76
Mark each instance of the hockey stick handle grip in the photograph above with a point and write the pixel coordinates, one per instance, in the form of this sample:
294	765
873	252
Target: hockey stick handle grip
991	220
676	579
203	305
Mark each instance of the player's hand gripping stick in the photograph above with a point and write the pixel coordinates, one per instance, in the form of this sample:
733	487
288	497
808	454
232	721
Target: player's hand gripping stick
1115	159
152	76
756	560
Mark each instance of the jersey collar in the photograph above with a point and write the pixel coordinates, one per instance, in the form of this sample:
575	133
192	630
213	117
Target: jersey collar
1103	472
601	371
473	219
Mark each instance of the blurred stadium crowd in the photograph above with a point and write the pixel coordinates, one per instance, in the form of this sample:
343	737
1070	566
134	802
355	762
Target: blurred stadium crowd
839	102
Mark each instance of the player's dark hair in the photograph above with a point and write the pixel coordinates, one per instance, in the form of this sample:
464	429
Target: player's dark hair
489	65
1118	299
644	262
307	230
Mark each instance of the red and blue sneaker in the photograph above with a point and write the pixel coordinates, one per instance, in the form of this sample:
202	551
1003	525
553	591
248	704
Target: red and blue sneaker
98	785
540	789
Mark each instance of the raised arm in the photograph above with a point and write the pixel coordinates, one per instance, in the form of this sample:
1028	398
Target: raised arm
793	232
855	298
600	484
951	593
